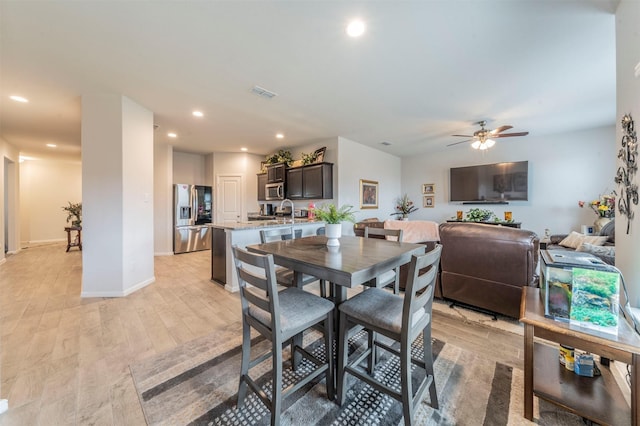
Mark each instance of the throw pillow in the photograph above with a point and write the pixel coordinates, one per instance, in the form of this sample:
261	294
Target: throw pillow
609	231
576	239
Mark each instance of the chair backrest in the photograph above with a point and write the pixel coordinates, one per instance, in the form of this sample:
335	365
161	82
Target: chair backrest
418	297
263	294
383	233
268	235
322	231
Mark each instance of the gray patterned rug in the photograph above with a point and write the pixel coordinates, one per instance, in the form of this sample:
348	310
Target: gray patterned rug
196	384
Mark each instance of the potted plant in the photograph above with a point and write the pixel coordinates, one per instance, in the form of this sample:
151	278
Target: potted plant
479	215
74	210
404	206
334	217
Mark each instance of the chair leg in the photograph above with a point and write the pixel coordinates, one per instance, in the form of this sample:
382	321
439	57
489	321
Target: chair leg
428	363
343	352
323	290
405	381
276	389
244	367
328	342
372	359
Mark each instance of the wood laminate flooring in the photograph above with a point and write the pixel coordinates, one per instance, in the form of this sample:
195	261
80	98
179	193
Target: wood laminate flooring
65	359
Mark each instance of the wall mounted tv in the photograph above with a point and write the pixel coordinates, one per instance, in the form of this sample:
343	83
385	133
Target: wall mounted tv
490	183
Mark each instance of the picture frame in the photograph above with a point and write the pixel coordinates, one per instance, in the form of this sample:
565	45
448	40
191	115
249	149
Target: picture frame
428	188
428	201
368	194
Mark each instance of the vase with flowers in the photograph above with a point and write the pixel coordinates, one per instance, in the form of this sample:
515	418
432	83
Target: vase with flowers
74	213
604	207
404	206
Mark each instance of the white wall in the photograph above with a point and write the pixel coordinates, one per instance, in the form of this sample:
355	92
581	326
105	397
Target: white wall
189	169
357	161
628	102
563	169
49	186
162	199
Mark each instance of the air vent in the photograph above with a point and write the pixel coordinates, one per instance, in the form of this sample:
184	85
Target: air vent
260	91
385	143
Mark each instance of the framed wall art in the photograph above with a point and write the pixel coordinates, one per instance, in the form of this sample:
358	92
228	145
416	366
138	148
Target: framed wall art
368	194
428	201
428	188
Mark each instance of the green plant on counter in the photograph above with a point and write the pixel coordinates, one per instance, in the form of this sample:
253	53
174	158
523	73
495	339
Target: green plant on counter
74	210
282	156
330	214
479	215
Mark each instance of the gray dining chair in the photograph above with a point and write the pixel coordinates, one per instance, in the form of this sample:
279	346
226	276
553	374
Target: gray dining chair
401	319
285	276
391	277
279	316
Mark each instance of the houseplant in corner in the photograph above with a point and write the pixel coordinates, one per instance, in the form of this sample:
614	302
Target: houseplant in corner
404	206
334	217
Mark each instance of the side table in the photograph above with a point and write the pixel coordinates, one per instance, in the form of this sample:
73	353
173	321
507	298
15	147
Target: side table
77	241
598	399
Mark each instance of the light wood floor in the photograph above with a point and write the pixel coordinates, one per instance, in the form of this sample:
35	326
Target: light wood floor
65	360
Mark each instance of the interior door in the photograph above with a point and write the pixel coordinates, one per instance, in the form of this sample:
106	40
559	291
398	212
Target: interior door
230	207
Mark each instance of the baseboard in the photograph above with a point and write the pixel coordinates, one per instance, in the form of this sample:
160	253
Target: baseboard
125	293
167	253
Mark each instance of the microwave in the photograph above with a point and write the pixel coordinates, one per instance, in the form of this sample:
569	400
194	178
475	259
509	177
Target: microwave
274	191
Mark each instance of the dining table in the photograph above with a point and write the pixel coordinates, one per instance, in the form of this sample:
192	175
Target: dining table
354	262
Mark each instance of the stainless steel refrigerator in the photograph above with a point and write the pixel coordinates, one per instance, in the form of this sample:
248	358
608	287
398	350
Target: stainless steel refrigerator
192	216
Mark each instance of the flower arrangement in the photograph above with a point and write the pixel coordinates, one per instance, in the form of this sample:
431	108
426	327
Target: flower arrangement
74	210
605	206
479	215
404	206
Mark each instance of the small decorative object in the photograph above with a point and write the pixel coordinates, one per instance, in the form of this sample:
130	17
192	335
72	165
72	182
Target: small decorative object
74	210
428	188
628	154
428	201
604	207
508	216
333	217
368	194
479	215
308	158
459	214
404	206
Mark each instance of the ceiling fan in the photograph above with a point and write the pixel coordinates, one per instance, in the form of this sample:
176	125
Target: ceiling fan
484	138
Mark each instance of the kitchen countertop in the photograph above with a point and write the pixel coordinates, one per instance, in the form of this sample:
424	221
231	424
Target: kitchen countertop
260	224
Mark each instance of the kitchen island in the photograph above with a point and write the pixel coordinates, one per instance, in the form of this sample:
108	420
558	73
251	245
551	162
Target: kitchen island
224	235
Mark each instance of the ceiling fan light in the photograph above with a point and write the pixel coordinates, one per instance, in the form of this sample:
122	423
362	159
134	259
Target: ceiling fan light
476	145
490	143
483	146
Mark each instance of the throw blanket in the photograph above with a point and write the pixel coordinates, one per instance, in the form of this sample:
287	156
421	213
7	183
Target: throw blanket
415	231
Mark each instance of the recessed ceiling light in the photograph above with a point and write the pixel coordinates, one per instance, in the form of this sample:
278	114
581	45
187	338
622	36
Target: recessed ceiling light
244	149
172	135
279	136
19	98
355	28
51	145
198	114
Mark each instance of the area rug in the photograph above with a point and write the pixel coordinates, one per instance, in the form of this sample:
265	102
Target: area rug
196	384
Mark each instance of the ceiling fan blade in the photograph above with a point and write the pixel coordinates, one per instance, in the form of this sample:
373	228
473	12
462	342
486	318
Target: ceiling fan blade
457	143
500	129
506	135
463	136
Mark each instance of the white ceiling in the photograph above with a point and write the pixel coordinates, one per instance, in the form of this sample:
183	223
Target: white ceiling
423	70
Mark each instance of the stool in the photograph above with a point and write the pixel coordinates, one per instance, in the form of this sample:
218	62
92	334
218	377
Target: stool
77	241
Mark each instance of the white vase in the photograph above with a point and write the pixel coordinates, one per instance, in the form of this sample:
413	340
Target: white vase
599	223
333	231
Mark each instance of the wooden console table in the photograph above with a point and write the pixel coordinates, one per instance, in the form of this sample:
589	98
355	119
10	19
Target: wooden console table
598	399
77	241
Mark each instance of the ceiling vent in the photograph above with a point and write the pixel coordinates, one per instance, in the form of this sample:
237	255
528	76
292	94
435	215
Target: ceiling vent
260	91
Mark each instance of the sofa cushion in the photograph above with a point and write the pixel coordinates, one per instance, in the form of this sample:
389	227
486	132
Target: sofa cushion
576	239
609	231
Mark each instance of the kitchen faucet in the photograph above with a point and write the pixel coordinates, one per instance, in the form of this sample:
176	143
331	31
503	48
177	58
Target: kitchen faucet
292	214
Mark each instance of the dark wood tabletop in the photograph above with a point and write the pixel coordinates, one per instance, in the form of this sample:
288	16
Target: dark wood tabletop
356	261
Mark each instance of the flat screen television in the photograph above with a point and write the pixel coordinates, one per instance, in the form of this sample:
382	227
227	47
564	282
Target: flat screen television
490	183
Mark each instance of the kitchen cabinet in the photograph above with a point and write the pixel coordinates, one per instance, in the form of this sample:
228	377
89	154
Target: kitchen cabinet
276	172
314	181
262	181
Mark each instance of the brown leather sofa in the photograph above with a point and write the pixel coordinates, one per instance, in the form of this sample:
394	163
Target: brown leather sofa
486	266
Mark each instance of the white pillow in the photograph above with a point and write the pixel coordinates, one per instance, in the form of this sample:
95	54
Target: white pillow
576	239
